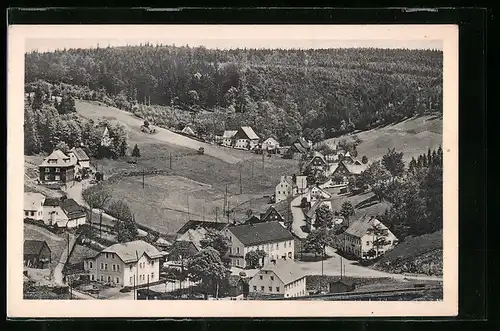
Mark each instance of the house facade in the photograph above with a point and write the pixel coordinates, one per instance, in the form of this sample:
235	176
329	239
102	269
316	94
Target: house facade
228	138
316	162
125	264
310	214
33	205
368	238
79	158
286	188
270	237
279	277
246	138
270	144
37	254
63	213
272	215
56	168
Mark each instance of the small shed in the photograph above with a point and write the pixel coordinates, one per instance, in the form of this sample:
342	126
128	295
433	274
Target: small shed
37	254
341	285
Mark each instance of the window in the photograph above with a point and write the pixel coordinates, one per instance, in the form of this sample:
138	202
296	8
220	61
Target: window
368	243
105	266
32	213
255	287
57	177
26	213
130	281
260	277
90	264
152	275
237	250
102	278
58	169
109	278
272	277
237	262
102	266
117	267
289	255
262	288
277	288
92	277
114	267
277	246
117	280
46	177
270	288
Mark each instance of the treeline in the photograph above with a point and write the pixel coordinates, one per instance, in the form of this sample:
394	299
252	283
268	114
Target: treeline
51	124
414	192
337	90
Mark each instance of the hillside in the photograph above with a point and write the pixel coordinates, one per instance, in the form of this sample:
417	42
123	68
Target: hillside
318	93
419	255
413	137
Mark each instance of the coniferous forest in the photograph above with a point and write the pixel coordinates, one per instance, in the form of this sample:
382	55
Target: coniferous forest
281	93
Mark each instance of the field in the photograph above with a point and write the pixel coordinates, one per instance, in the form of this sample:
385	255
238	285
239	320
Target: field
163	203
412	136
422	254
55	242
362	203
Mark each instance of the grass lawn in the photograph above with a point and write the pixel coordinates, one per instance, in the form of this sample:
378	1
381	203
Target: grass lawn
80	253
362	203
412	136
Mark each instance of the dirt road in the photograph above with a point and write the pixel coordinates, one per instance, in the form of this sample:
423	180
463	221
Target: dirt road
57	274
298	217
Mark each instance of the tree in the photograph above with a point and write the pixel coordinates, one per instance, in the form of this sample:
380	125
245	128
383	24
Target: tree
393	162
379	234
318	239
136	152
375	173
126	230
146	123
32	144
324	217
67	105
347	210
63	147
217	240
253	259
364	159
96	197
206	267
318	135
119	209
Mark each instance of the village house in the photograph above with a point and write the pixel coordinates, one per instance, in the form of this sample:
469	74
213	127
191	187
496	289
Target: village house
270	237
63	213
57	168
341	171
368	238
228	138
298	148
188	131
271	215
79	158
301	183
33	205
104	134
270	144
280	277
310	214
316	162
37	254
179	252
341	286
315	193
285	189
125	264
246	138
195	224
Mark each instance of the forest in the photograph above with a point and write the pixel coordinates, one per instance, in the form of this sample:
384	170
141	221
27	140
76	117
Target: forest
280	92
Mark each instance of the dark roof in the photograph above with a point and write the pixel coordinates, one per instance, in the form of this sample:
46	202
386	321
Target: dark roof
50	201
33	247
72	208
302	142
269	211
193	224
253	219
260	233
80	154
182	247
298	147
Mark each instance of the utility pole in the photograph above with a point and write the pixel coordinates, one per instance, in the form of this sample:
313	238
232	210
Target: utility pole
216	219
341	267
170	159
228	211
262	160
143	178
241	189
137	274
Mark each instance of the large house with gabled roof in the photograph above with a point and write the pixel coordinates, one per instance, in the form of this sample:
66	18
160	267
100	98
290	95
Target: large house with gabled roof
280	277
79	158
125	264
57	168
245	138
270	237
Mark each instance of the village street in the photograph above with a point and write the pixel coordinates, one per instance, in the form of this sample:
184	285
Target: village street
57	274
298	217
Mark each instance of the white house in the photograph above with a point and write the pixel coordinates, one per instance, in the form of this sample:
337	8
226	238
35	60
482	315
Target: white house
301	183
315	193
63	213
286	188
79	158
228	137
310	215
280	277
246	138
270	144
368	238
270	237
33	205
125	264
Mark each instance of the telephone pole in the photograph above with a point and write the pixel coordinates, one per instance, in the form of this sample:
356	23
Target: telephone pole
143	178
241	189
216	219
228	211
170	159
262	160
